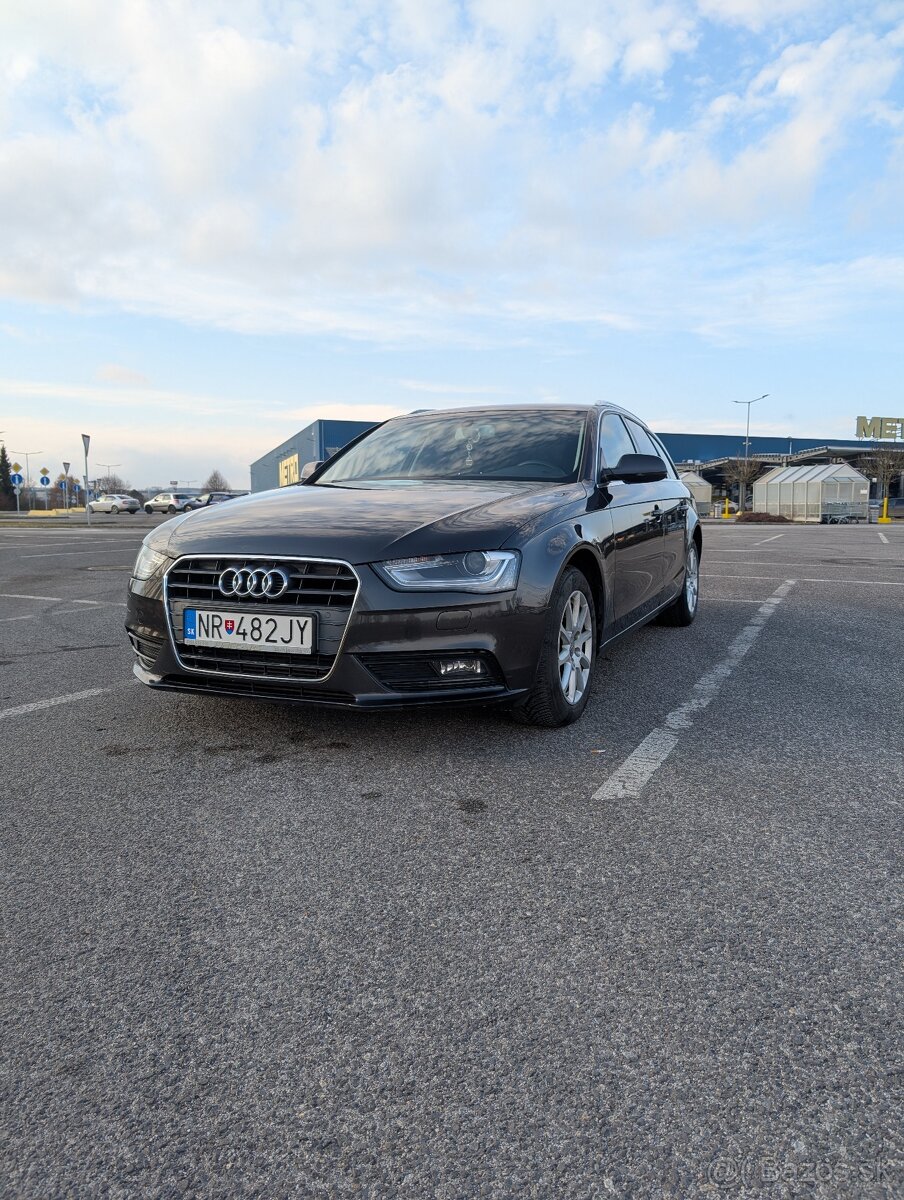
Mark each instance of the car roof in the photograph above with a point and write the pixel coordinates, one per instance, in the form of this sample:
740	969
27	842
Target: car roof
508	406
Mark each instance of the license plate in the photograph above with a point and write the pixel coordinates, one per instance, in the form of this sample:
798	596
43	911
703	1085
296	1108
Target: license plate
258	631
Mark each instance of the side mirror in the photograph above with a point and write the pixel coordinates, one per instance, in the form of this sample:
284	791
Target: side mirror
309	468
636	468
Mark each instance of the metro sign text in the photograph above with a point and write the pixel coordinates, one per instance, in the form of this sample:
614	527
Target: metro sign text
288	471
880	427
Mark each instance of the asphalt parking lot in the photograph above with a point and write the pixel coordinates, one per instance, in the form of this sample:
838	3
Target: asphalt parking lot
259	951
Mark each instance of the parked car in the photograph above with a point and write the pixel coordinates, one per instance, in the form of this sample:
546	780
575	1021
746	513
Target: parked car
896	507
208	498
114	503
170	502
475	555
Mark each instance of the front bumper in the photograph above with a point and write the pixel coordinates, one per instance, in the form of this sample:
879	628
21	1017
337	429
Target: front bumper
383	658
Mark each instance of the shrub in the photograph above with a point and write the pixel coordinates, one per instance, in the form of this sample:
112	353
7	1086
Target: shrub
763	518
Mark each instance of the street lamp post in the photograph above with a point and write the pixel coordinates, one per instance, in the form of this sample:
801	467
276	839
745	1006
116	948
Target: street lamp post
86	442
108	467
743	487
26	454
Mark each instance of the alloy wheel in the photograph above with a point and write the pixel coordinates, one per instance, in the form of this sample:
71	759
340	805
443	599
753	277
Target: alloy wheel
575	647
692	578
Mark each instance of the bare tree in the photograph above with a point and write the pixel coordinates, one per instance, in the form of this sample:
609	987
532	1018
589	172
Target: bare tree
59	495
742	471
111	483
215	482
882	462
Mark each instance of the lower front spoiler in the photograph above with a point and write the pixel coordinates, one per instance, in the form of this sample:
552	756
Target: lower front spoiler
323	697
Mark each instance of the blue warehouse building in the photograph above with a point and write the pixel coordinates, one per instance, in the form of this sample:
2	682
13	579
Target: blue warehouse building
283	464
715	447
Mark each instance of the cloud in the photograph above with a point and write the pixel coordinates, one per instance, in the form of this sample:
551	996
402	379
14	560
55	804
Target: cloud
339	411
115	373
452	389
406	172
14	331
758	14
53	414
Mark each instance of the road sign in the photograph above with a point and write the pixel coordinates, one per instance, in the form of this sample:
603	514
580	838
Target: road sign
66	467
86	442
45	481
63	485
17	466
76	486
15	491
17	479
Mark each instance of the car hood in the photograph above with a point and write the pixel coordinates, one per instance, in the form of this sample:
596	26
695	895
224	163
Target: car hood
367	524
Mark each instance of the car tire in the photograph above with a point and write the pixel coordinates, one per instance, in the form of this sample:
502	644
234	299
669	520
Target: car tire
548	704
683	610
172	509
114	511
149	510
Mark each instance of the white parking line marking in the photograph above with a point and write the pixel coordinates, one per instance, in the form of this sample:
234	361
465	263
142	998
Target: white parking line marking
882	537
634	774
61	612
30	616
44	542
802	579
774	538
637	769
64	553
874	564
21	709
61	599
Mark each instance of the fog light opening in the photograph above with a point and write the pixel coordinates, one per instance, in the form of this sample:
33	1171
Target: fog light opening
459	668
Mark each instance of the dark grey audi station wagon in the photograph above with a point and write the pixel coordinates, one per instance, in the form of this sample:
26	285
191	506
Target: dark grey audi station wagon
477	555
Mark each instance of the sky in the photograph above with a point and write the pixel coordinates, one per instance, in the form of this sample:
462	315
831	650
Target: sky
220	221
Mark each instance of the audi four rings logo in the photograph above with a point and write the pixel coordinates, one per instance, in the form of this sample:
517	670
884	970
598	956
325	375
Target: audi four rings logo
259	581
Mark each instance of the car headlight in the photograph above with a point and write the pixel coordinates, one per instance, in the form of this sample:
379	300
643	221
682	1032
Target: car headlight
149	563
476	571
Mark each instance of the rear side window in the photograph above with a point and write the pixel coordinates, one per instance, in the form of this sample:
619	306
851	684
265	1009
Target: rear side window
614	440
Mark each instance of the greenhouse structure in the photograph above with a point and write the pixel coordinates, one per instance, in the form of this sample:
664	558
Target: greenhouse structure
700	490
823	492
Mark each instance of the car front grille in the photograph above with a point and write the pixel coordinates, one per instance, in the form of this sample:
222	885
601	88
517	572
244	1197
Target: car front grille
256	663
326	589
415	672
312	584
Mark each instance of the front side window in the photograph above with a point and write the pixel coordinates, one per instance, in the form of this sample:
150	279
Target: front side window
530	445
642	439
665	456
614	440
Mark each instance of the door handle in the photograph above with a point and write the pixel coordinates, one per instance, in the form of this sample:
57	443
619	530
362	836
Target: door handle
655	512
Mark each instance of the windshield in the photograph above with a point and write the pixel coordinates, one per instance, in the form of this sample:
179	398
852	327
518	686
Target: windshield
528	445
